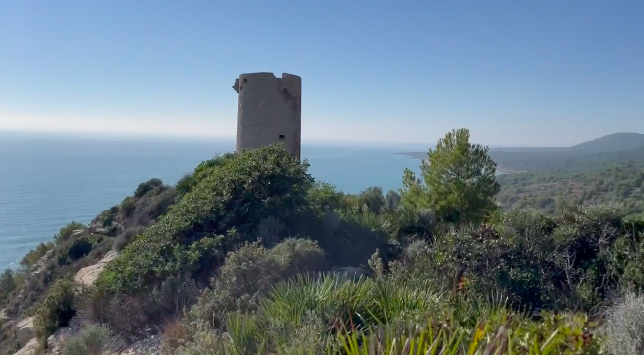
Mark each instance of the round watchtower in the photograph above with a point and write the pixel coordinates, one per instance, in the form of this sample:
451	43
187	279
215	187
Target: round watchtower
269	111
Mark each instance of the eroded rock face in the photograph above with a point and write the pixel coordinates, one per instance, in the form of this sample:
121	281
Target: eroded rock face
39	266
78	233
25	330
87	275
30	348
3	317
147	346
56	341
108	222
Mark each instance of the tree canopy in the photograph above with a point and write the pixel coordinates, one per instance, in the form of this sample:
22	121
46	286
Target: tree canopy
458	180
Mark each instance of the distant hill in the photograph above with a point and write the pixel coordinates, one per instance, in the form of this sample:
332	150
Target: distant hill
616	142
601	153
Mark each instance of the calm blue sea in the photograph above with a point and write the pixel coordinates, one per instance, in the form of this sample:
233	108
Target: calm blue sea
47	181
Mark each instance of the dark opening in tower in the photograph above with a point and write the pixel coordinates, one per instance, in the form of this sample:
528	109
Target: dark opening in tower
281	137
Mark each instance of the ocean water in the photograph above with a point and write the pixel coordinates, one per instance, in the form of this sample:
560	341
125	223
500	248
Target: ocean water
47	181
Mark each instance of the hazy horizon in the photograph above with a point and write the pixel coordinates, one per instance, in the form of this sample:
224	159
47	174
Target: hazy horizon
402	147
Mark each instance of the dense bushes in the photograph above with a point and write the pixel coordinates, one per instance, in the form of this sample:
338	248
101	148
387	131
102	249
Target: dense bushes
251	271
127	237
316	315
93	340
34	255
146	187
239	243
56	309
49	262
66	232
189	181
196	233
8	284
571	262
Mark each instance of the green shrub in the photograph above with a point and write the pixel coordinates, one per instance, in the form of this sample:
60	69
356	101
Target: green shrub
56	309
188	181
8	284
127	237
34	255
10	341
93	340
483	338
146	187
195	234
185	184
372	198
125	315
392	201
127	207
249	272
326	197
171	298
298	256
161	203
66	232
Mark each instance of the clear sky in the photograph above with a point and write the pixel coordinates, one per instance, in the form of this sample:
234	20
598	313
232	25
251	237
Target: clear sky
529	73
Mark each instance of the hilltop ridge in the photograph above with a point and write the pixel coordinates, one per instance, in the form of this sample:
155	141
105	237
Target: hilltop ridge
601	153
615	142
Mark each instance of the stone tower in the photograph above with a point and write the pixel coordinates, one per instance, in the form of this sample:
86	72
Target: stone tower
269	111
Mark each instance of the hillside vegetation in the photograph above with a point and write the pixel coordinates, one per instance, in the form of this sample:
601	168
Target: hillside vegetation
548	162
550	192
249	254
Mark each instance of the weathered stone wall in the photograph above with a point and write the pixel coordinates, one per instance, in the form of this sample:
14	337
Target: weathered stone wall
269	111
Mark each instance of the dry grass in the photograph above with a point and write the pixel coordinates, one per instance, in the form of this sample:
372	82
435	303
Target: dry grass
173	336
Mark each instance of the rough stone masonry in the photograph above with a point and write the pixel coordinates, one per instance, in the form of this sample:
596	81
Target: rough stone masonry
269	111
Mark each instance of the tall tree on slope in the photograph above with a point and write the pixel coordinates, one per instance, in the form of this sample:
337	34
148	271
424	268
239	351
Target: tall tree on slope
458	180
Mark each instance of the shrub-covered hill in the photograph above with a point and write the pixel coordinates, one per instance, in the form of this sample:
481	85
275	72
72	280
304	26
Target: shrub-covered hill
259	195
253	256
551	191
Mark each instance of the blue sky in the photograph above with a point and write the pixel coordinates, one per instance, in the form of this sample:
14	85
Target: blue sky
529	73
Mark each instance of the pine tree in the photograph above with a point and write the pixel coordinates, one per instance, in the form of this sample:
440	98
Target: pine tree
458	180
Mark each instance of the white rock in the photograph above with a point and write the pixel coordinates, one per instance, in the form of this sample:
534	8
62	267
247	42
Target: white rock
56	341
3	317
148	346
77	233
25	330
29	349
87	275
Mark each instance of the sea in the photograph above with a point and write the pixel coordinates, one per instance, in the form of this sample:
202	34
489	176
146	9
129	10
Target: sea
47	181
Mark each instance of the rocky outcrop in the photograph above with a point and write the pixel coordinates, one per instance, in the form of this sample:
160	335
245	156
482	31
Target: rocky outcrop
87	275
56	341
3	317
30	348
108	222
148	346
39	266
25	330
77	233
